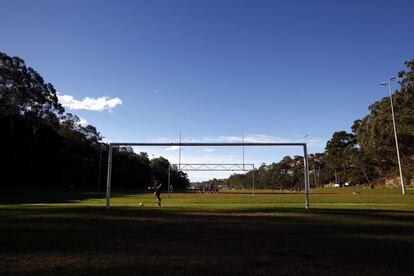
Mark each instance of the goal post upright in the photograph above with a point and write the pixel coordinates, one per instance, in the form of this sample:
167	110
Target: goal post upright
180	144
306	174
109	177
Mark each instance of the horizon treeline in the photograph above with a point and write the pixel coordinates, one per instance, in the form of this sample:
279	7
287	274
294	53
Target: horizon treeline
365	155
44	146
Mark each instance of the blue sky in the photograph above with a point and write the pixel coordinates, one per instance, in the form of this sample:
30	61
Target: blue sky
279	70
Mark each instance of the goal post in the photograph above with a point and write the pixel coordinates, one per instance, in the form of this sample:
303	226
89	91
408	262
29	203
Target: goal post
303	145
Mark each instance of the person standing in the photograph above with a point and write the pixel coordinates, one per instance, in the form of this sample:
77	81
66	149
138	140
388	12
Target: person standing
157	191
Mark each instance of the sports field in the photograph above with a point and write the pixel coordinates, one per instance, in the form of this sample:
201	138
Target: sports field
347	231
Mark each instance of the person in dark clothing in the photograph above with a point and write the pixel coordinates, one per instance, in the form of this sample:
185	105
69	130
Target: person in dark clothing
157	191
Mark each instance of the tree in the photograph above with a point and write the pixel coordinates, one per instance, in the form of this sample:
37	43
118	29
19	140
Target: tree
48	147
338	154
23	92
374	132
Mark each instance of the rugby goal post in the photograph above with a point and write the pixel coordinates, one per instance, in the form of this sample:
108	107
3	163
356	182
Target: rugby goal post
303	145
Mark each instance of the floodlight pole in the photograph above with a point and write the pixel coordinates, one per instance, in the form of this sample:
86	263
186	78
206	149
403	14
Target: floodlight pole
306	174
109	177
179	153
395	136
243	146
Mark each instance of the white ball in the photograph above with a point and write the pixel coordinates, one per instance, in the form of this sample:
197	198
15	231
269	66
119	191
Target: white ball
140	204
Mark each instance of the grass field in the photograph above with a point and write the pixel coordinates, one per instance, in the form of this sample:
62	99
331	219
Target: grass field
70	232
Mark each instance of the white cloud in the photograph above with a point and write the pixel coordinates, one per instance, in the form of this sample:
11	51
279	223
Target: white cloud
251	138
263	138
93	104
83	122
172	148
208	150
216	158
256	138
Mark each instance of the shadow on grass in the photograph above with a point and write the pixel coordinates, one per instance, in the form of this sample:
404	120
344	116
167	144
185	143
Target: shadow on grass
168	241
52	195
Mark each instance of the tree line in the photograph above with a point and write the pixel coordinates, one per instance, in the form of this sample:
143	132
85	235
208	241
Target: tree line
42	145
365	155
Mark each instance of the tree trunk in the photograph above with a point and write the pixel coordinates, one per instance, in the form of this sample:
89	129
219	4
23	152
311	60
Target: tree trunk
366	177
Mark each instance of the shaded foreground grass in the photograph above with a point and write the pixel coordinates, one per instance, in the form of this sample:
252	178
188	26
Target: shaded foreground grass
369	233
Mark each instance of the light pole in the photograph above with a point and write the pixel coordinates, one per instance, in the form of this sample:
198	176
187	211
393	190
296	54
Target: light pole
395	134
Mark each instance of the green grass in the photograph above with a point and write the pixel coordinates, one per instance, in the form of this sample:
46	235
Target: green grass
70	232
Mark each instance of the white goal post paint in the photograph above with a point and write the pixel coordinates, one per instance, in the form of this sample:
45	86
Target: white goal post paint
303	145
